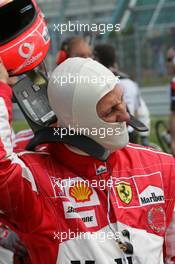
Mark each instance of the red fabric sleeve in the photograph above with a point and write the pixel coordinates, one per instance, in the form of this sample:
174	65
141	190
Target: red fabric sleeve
19	199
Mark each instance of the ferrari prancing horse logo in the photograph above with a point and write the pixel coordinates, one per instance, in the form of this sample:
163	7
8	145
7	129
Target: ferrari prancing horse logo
124	192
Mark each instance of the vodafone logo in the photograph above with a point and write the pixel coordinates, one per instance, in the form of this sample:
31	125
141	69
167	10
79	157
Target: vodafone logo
26	50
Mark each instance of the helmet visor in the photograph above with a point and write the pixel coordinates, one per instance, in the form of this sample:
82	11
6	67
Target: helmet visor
15	17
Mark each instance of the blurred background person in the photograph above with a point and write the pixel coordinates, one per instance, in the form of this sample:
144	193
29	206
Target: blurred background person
171	71
73	47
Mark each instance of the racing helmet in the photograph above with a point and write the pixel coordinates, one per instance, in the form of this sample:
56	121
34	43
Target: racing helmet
24	37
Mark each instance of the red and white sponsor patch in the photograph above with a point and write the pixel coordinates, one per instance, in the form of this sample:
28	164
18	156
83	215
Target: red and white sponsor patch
80	193
58	188
139	190
88	216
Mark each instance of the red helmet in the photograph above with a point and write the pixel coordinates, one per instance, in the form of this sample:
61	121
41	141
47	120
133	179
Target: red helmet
24	37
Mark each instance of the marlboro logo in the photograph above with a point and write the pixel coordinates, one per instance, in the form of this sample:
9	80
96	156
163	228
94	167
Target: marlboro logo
152	195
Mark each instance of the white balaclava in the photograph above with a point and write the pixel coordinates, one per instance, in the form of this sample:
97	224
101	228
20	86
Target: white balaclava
74	89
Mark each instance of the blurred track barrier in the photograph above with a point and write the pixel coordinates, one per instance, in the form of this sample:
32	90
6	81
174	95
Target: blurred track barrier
157	99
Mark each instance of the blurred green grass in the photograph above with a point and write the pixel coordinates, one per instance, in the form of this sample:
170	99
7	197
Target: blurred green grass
149	81
154	119
19	125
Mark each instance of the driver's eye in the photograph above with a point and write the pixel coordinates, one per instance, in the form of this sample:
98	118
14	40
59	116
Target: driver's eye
111	111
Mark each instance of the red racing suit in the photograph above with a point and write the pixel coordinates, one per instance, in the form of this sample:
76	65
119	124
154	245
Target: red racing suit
21	140
66	210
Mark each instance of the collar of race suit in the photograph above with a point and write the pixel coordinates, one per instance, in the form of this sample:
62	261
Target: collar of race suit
86	167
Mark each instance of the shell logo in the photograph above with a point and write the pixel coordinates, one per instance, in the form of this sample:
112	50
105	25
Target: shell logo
80	192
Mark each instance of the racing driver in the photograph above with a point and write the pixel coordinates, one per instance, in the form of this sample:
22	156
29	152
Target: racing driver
71	208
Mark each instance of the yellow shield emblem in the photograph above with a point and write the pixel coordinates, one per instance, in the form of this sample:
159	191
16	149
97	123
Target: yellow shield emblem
124	192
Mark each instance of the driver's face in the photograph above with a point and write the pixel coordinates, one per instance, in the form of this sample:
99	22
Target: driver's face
111	107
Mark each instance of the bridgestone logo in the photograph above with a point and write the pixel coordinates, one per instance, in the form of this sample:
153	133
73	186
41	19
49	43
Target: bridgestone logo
152	198
87	219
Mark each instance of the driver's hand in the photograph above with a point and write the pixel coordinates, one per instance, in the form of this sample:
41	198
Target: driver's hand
4	76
